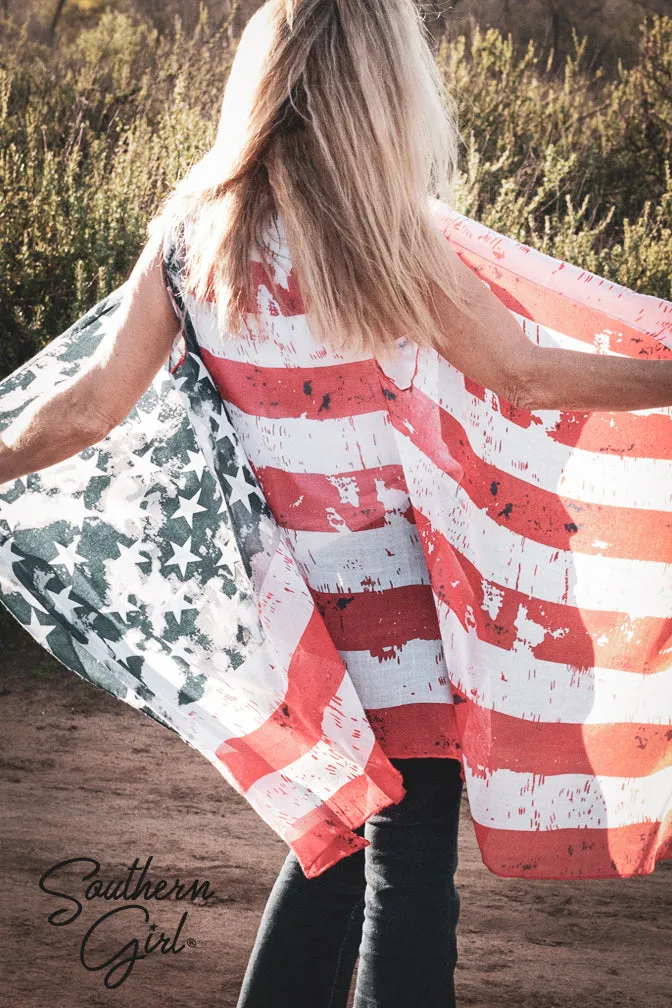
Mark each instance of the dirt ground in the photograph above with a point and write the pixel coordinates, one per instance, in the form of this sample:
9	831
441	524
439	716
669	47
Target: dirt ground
83	775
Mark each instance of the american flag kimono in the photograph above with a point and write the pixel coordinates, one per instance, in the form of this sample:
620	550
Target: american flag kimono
152	566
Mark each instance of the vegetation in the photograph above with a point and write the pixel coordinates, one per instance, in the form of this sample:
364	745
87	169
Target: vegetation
96	127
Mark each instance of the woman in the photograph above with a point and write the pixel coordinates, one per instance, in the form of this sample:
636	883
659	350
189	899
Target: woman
334	131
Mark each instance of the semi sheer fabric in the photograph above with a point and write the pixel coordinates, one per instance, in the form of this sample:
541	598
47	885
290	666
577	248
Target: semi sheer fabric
187	565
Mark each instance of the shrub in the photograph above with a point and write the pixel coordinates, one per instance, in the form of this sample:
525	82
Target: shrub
576	166
94	132
91	138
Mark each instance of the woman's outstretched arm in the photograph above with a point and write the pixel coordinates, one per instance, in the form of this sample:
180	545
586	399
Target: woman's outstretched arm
84	409
495	352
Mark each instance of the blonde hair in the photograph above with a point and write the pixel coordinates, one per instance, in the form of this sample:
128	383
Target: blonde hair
335	118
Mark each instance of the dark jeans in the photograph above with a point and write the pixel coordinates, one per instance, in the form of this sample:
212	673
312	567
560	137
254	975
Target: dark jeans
394	903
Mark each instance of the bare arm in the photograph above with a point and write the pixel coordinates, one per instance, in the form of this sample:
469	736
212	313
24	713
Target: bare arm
83	410
495	352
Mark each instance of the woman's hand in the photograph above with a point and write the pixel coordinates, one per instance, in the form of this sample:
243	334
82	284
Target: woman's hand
495	352
83	410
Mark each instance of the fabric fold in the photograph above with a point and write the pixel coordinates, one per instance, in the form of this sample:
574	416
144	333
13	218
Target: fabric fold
151	565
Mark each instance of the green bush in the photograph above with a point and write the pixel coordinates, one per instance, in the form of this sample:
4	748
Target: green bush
94	132
92	136
577	166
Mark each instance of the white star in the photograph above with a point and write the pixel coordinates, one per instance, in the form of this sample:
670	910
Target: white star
19	482
121	650
89	467
241	490
67	556
40	631
202	370
178	605
95	647
182	557
65	605
132	554
128	517
144	468
14	513
76	512
12	586
196	463
180	382
189	506
120	604
180	651
222	428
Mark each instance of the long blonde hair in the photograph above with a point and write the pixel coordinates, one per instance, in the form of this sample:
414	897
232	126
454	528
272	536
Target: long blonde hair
335	119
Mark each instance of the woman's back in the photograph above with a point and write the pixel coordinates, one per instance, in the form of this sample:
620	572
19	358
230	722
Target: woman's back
315	428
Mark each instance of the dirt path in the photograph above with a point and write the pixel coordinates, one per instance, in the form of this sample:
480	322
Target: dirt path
84	776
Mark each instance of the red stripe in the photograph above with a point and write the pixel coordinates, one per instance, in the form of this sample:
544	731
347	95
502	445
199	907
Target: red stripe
322	840
559	311
295	726
344	390
379	622
581	637
601	853
287	300
315	393
617	433
416	730
496	741
620	433
528	510
311	502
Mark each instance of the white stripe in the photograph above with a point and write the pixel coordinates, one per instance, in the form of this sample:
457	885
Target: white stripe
547	337
308	772
346	727
343	561
640	588
274	340
329	447
504	799
413	673
281	801
539	460
237	701
286	795
520	685
283	586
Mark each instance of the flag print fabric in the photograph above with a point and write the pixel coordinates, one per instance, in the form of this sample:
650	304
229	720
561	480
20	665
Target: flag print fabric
154	566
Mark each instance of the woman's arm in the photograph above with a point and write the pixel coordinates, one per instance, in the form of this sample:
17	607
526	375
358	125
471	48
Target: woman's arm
84	409
496	353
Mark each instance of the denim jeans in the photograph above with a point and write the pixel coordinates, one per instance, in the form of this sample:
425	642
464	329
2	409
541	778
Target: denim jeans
393	903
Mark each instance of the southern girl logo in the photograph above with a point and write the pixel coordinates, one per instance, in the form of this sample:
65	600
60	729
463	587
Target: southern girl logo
144	936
